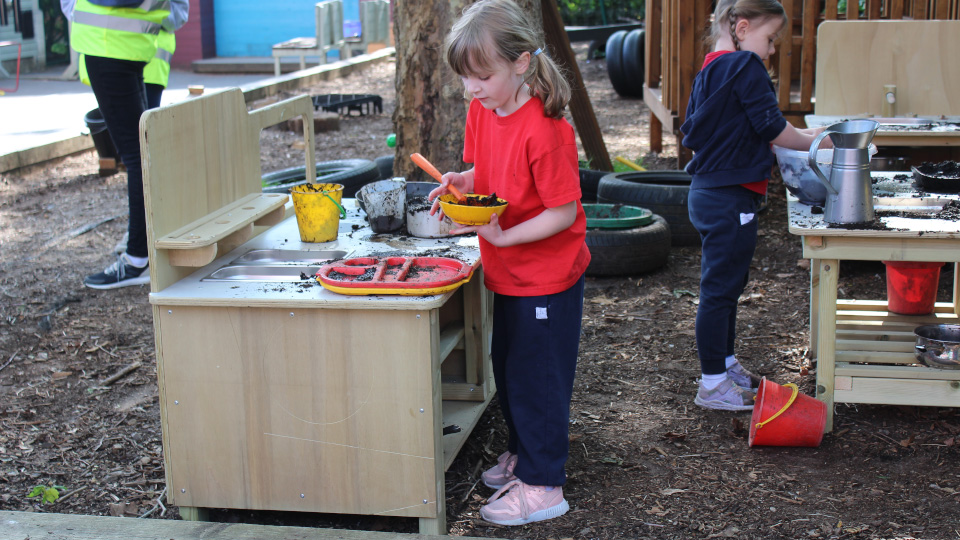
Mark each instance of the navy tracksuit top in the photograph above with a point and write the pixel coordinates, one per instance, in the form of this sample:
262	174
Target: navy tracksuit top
732	116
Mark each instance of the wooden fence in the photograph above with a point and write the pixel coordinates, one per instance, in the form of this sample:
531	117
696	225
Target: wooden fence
675	51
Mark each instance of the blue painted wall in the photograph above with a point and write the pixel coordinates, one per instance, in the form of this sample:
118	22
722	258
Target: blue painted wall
252	27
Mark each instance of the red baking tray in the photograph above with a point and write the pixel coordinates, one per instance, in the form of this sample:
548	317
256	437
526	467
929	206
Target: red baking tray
411	276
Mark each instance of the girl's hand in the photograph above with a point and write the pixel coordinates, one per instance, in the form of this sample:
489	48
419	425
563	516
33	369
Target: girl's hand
458	180
491	232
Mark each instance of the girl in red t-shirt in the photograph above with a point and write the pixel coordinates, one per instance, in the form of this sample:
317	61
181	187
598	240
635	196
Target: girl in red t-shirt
534	255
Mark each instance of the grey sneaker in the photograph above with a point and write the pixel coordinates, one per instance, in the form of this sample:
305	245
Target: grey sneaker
122	244
742	377
727	396
119	274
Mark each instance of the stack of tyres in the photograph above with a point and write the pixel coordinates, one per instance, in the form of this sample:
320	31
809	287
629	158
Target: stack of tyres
662	192
625	240
625	62
352	174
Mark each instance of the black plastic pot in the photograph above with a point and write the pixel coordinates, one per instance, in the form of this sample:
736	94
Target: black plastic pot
101	136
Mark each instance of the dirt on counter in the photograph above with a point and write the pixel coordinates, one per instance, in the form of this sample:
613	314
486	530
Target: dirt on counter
79	404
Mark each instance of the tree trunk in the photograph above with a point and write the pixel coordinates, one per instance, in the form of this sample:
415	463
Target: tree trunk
430	113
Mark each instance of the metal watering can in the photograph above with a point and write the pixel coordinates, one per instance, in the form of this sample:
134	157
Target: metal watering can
849	197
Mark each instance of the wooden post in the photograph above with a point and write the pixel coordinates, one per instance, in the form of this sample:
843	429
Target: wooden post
653	67
580	106
656	134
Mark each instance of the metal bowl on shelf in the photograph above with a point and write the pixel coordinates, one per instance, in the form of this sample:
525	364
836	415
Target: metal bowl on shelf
938	345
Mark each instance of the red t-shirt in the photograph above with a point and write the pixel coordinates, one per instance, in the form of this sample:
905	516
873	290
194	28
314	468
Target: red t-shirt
761	185
531	161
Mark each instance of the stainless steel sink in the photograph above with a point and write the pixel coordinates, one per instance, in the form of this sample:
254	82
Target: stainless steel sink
284	256
258	272
275	265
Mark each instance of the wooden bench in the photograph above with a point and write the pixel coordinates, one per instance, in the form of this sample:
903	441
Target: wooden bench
374	27
81	527
329	24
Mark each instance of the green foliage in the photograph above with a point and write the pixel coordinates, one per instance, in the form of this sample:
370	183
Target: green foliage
599	12
47	494
842	6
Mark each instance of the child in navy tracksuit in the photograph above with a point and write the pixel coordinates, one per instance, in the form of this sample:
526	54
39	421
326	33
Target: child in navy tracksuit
732	118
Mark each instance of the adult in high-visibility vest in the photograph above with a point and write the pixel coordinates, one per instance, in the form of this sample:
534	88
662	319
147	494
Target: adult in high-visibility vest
118	38
157	73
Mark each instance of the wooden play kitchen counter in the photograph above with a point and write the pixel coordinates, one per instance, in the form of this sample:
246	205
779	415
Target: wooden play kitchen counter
287	396
906	131
276	393
865	353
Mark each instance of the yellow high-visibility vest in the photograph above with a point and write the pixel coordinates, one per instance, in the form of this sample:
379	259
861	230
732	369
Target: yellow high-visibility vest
120	33
158	69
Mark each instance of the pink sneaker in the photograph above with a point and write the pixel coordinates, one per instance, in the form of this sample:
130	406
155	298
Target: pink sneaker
522	504
500	474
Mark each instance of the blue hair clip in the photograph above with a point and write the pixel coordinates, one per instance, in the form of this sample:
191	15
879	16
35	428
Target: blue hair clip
538	51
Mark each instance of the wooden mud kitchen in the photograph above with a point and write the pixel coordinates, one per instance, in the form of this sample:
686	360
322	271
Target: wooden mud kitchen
277	393
901	74
865	353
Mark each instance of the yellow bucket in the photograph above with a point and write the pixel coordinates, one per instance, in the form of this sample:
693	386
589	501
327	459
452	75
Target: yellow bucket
318	211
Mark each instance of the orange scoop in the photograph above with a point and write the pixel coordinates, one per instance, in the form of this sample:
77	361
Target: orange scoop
432	171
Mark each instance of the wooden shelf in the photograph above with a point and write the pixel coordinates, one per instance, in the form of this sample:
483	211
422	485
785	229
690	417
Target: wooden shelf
875	360
451	337
195	244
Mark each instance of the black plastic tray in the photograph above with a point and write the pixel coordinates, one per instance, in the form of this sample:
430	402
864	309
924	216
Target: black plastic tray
936	184
361	103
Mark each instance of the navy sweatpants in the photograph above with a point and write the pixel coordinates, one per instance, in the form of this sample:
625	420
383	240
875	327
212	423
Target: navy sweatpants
536	341
727	221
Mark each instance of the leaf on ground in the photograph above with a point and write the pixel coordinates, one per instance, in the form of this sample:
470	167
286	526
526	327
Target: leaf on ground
672	491
677	293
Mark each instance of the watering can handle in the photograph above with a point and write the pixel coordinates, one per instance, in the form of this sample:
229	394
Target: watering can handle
813	162
343	213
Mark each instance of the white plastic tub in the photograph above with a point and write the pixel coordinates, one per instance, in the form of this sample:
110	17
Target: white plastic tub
800	178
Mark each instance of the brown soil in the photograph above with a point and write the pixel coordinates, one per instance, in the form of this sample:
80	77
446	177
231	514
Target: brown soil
79	406
944	169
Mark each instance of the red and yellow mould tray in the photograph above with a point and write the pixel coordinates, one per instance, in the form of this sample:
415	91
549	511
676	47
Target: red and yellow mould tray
409	276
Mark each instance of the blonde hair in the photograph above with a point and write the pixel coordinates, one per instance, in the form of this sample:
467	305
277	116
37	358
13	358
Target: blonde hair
728	12
490	31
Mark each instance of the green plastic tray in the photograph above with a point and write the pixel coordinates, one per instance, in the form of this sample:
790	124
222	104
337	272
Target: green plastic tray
616	216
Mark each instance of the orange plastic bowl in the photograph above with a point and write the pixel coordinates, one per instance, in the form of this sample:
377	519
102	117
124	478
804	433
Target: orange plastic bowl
470	215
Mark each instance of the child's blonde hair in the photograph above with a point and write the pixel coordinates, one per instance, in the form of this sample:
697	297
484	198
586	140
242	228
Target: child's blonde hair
728	12
494	30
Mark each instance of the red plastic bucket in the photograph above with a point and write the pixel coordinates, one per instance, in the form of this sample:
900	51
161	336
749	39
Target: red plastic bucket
912	286
782	416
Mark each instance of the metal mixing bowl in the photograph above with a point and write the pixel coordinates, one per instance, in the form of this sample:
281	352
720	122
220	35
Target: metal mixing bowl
938	345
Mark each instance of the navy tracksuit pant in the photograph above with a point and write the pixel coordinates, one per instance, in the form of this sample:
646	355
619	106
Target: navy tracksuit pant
727	221
536	341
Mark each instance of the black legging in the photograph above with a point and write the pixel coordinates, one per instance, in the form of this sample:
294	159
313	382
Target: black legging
122	99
